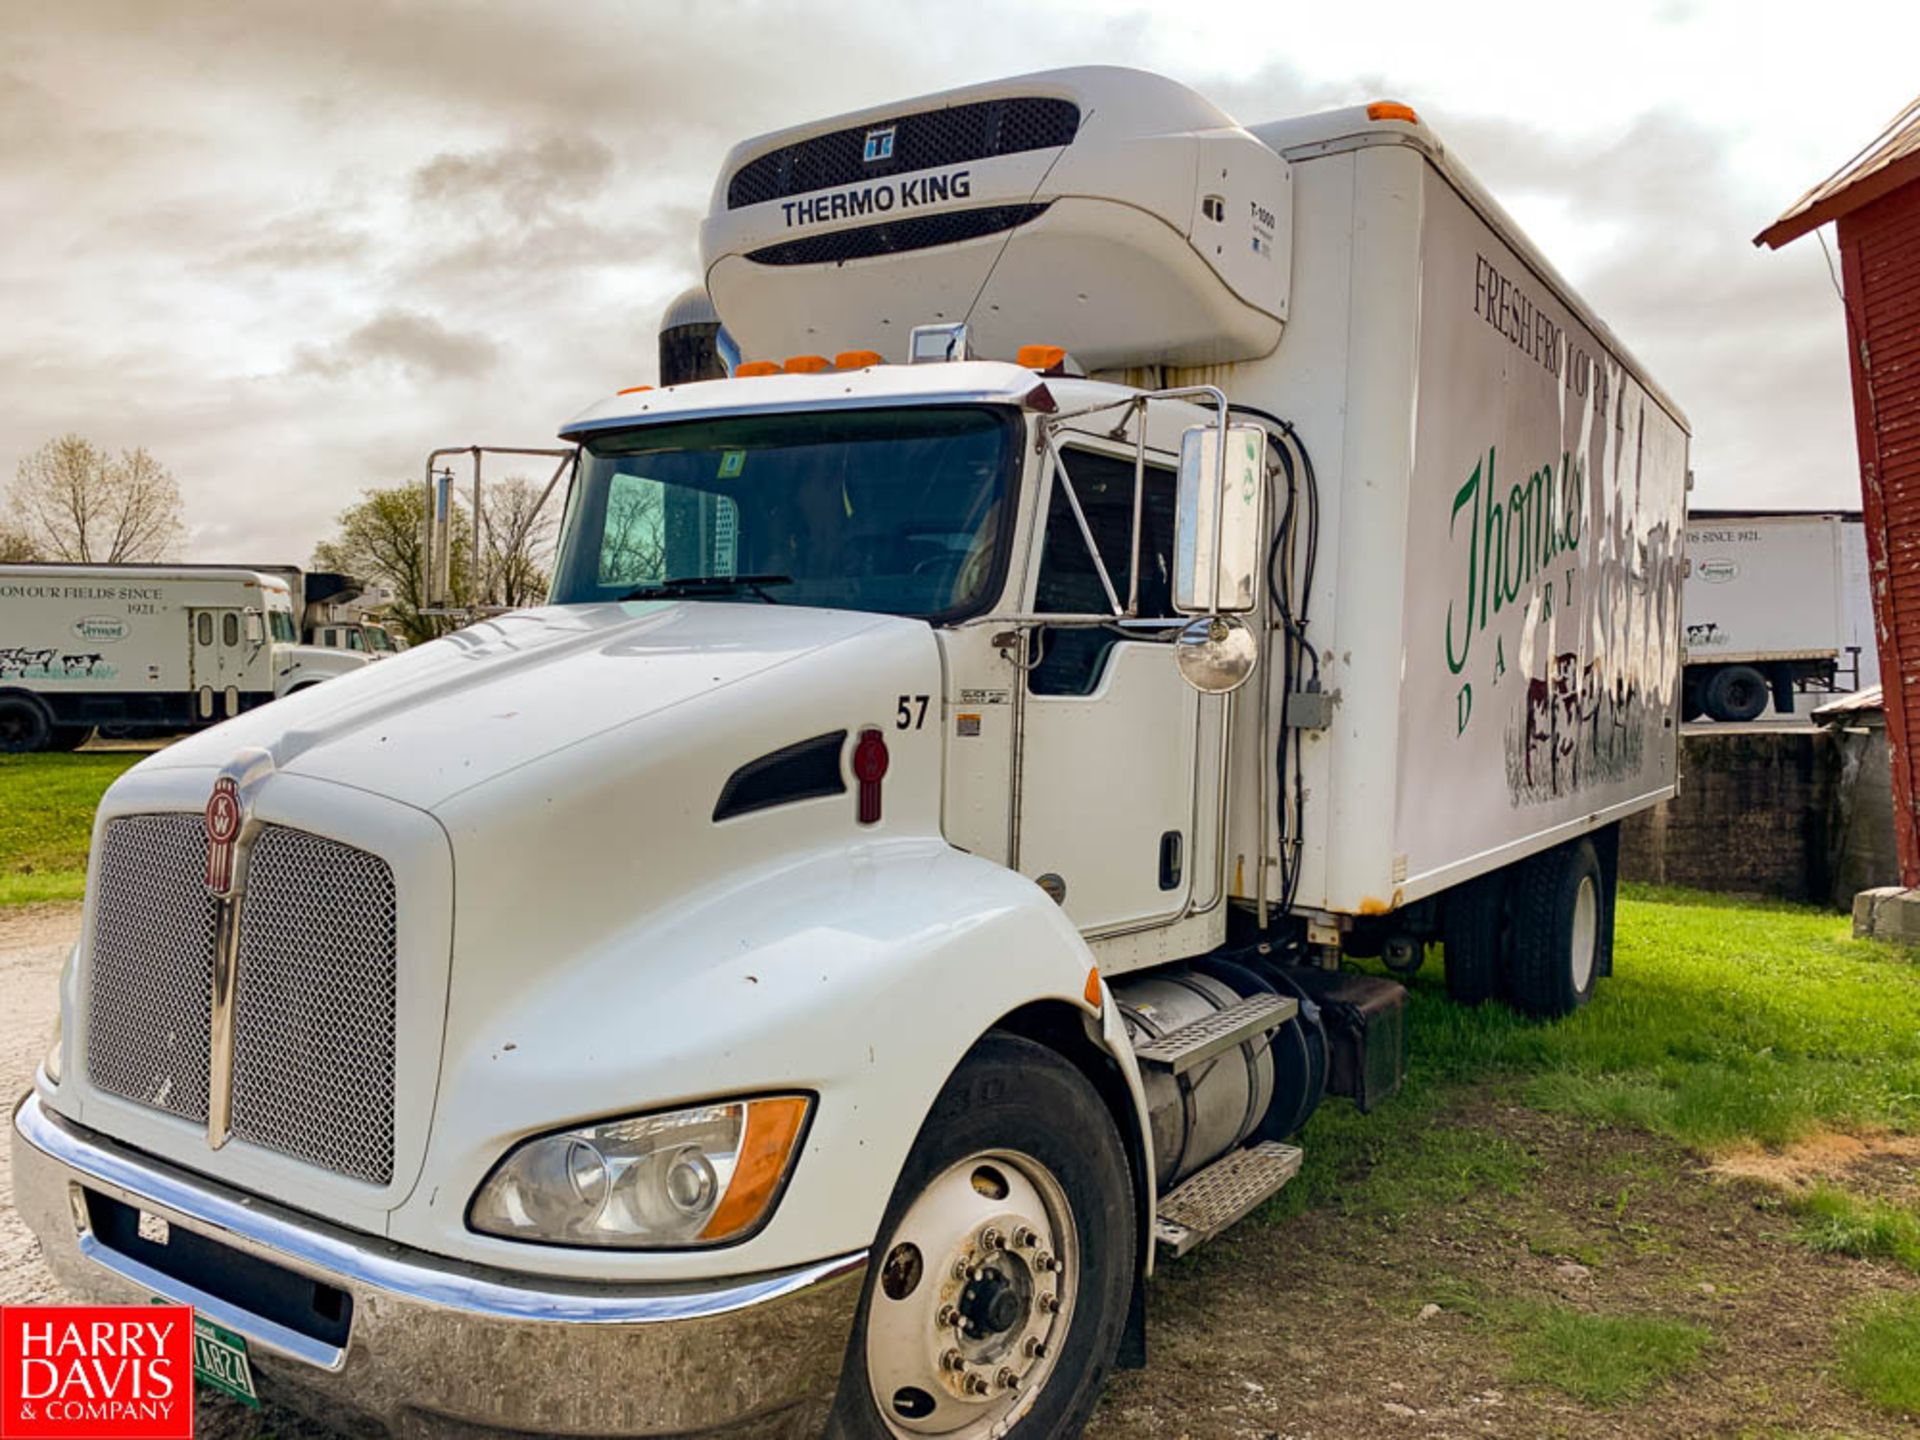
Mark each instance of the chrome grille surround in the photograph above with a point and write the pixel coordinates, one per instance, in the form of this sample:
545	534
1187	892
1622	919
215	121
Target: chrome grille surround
150	974
314	1016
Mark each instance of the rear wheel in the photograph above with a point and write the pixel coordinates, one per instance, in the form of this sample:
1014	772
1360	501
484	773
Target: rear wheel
1736	692
1005	1263
1561	929
1474	939
25	725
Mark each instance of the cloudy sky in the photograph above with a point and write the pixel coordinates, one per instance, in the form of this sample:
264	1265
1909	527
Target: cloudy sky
292	247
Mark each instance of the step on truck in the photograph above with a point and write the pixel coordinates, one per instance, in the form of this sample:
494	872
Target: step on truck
145	650
806	976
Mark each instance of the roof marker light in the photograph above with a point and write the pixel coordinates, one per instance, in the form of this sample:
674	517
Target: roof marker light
857	359
756	367
1046	358
1392	110
805	364
634	390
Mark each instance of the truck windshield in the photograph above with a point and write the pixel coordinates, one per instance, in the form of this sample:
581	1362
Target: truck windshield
900	511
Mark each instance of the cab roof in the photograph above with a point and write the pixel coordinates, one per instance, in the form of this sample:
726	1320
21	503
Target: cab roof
980	382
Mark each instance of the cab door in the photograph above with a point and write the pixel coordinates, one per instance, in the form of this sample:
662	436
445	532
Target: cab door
1106	795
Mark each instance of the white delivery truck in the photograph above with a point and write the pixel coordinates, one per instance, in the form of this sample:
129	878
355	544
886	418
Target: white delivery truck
803	976
1775	603
144	649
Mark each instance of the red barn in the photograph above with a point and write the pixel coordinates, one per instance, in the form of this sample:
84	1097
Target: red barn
1876	201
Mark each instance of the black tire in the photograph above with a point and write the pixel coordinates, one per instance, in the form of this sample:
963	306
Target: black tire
1013	1096
1736	693
1473	939
1562	927
69	737
1691	707
25	725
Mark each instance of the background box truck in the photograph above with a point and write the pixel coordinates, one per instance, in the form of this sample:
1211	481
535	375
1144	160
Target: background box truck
145	649
805	975
1776	603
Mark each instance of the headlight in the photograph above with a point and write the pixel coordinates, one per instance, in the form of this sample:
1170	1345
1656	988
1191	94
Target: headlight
703	1176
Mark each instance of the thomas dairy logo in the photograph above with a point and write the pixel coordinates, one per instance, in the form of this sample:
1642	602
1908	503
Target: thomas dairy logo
96	1372
879	145
1718	572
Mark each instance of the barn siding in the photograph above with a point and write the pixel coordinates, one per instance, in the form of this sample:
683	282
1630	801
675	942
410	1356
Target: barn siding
1880	257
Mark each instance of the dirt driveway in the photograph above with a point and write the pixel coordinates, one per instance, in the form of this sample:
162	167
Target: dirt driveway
1433	1318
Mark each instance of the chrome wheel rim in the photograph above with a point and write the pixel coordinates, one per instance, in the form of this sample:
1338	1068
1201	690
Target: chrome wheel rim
974	1299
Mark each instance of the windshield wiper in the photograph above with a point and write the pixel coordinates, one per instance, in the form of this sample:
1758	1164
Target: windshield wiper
708	585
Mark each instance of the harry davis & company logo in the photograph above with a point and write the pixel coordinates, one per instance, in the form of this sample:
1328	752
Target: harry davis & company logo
96	1372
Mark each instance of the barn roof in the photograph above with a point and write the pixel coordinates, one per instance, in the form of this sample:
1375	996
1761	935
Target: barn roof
1890	160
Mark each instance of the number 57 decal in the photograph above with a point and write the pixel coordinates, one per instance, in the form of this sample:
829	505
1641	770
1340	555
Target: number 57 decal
911	713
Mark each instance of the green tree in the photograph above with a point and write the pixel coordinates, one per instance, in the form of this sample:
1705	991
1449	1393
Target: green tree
382	538
73	501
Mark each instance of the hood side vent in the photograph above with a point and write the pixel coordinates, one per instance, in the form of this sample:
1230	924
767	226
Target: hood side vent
977	131
804	770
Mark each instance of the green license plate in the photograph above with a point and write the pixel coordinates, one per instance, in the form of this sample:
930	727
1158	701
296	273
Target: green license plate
220	1360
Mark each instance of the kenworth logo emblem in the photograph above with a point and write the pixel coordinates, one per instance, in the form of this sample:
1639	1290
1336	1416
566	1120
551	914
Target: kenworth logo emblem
223	828
879	145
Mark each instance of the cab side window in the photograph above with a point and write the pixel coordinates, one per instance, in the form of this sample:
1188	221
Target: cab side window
1068	583
1072	659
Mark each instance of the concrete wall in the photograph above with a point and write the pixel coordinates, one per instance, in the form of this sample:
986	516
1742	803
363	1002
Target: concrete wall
1801	814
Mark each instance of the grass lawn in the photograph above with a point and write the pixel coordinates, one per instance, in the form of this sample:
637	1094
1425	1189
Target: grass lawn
46	820
1546	1232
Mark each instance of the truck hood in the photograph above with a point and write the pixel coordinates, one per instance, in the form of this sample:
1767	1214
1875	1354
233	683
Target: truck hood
443	718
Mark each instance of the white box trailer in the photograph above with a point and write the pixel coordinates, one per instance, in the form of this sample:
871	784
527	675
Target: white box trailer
904	873
143	649
1775	603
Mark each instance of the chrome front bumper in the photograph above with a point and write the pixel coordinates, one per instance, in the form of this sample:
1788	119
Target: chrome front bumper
437	1347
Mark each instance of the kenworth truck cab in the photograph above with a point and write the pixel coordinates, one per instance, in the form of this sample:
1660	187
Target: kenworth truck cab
807	975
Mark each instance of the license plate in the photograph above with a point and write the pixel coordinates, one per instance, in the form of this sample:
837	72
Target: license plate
220	1360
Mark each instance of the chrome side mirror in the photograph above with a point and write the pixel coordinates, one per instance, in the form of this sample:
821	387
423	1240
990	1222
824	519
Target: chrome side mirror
1216	653
1219	520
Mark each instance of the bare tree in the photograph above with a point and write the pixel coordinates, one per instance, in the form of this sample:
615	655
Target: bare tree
382	538
73	501
516	543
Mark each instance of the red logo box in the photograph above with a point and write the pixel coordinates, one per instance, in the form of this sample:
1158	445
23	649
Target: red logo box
96	1372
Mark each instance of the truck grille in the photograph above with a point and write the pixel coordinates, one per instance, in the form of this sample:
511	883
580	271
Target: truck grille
313	1011
151	973
314	1007
977	131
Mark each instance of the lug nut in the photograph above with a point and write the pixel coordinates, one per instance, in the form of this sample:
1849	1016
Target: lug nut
960	1269
1043	1262
1006	1379
1035	1348
1048	1303
992	1239
947	1316
953	1360
973	1384
1025	1238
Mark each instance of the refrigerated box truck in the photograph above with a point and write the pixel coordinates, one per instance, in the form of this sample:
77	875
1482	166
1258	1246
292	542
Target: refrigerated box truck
144	649
806	975
1775	604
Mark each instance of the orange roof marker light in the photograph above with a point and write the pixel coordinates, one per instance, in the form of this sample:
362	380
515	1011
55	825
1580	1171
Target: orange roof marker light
805	364
755	367
1392	110
634	390
1046	358
857	359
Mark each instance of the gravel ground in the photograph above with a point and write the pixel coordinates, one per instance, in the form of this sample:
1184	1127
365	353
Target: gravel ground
34	939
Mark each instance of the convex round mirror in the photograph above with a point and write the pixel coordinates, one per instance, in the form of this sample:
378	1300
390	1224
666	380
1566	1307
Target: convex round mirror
1216	653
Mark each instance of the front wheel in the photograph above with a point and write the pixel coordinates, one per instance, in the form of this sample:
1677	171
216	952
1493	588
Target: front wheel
1001	1280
